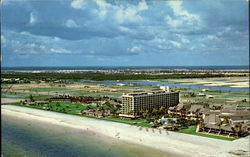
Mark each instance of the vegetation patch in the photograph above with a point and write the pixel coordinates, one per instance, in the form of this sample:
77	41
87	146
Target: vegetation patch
101	77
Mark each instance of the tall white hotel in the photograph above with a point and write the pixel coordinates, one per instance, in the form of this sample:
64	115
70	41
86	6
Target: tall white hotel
133	103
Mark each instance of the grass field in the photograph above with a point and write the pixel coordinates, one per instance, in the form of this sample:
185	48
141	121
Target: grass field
220	97
50	89
138	122
23	95
191	130
66	107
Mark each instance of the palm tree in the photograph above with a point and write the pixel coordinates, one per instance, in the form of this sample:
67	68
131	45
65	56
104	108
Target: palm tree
58	104
162	110
145	113
155	112
63	110
31	98
88	107
114	110
219	124
50	107
236	129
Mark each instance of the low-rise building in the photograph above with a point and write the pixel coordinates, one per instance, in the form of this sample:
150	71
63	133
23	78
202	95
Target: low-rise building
188	111
96	113
209	97
32	103
128	116
215	106
201	94
227	123
179	110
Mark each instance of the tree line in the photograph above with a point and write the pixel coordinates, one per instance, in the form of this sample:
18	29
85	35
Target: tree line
102	77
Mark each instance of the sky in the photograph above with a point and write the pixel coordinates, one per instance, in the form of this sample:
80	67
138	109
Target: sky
124	32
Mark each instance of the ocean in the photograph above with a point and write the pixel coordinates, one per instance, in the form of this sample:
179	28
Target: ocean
27	138
126	68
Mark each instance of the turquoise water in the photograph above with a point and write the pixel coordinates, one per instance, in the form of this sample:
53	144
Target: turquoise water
25	138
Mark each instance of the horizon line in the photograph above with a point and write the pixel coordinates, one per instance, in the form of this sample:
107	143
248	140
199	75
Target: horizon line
122	66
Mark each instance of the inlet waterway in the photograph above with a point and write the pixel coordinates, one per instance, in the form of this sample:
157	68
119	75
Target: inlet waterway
175	85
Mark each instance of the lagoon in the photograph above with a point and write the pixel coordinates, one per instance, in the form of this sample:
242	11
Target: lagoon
175	85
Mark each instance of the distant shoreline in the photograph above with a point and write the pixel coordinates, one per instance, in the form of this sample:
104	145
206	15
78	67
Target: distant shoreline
102	75
141	68
183	144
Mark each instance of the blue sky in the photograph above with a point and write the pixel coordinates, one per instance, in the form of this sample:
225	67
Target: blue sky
124	33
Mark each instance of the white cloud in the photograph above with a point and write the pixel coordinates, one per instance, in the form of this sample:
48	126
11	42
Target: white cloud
71	24
134	49
210	38
104	7
26	44
181	16
120	13
3	40
60	51
125	30
25	33
173	22
32	18
179	11
56	38
131	13
175	44
183	39
226	30
78	4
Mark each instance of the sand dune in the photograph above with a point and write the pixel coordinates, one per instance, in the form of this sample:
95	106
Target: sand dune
183	144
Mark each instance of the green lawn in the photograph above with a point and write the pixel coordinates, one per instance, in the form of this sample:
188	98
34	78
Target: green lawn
191	130
23	95
138	122
50	89
223	97
66	107
14	95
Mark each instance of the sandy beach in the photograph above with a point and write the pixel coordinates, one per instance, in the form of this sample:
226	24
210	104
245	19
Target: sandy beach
182	144
10	100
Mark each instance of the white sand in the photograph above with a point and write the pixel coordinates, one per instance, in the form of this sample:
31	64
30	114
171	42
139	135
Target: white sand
183	144
232	82
10	100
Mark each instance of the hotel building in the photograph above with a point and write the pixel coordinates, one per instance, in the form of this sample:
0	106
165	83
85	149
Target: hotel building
133	103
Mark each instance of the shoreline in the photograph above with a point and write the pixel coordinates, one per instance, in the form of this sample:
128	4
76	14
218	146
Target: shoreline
173	142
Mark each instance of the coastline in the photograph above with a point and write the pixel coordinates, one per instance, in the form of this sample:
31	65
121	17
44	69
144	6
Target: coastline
178	143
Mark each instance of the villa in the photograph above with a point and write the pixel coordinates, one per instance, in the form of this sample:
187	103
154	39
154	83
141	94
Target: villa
187	111
225	122
97	113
